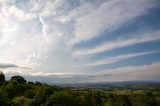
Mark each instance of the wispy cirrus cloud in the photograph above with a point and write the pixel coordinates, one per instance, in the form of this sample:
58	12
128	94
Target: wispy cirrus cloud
92	20
135	38
114	59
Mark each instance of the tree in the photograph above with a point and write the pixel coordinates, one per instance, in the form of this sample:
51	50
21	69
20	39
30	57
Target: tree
29	82
2	77
30	93
61	98
21	101
18	79
38	83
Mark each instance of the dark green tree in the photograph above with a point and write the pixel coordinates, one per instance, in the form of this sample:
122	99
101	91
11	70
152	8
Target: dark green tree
2	77
18	79
61	98
38	83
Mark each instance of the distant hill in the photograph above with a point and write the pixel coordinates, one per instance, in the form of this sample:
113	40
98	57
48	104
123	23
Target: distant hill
123	84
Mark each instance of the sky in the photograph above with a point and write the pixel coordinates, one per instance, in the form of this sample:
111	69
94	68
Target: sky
75	41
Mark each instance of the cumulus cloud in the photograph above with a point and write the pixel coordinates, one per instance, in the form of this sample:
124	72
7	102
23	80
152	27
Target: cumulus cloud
14	12
21	40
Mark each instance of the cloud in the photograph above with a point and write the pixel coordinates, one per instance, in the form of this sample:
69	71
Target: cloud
5	65
92	20
114	59
147	72
31	35
21	39
16	13
137	38
24	71
39	35
33	30
132	73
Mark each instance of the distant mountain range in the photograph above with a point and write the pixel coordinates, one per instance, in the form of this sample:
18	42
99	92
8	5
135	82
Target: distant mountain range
122	84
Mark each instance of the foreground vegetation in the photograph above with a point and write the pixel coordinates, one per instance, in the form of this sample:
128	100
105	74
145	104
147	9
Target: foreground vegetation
19	92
